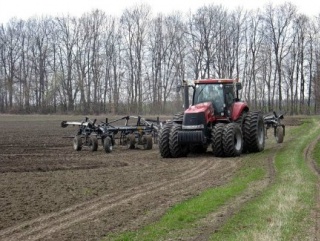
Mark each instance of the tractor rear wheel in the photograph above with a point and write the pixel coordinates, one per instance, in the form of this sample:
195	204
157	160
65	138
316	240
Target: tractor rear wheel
253	132
131	141
217	145
147	142
279	134
164	135
107	144
93	143
77	143
232	140
176	149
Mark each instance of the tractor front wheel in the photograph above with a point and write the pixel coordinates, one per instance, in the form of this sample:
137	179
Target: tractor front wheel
176	149
217	145
164	134
232	140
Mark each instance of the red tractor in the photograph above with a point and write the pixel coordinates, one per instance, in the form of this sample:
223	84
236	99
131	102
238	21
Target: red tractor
216	117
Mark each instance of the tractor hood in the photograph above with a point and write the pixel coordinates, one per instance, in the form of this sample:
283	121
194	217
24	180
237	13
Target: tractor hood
198	115
201	107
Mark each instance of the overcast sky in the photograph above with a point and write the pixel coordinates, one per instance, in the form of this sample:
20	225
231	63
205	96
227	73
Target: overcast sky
23	9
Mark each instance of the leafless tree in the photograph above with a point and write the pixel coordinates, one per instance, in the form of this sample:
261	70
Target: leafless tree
278	21
134	25
68	33
99	63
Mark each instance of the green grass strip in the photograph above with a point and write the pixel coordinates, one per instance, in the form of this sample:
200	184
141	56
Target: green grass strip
316	153
281	212
184	214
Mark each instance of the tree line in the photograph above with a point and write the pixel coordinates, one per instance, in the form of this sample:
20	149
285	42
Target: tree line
99	63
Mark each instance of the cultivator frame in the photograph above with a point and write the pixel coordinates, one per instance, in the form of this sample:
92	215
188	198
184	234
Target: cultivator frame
144	132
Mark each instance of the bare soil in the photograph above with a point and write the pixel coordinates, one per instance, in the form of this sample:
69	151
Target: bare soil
48	191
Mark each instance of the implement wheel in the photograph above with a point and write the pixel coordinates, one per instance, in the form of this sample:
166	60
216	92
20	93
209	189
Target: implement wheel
131	141
107	144
147	142
279	134
93	143
77	143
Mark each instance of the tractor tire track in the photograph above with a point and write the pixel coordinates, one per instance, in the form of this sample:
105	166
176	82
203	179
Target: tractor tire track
212	223
46	225
315	215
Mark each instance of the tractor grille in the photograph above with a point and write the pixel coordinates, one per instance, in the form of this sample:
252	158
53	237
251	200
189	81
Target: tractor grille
191	137
191	119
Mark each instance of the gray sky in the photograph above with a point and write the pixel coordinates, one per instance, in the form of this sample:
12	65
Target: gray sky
23	9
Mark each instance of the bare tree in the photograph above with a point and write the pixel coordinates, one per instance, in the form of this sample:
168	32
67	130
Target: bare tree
134	24
68	33
278	21
254	40
10	54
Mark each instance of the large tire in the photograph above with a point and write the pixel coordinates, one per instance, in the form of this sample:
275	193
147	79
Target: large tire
164	135
147	142
241	119
253	132
217	145
279	134
93	143
232	140
77	143
178	118
107	144
131	141
176	149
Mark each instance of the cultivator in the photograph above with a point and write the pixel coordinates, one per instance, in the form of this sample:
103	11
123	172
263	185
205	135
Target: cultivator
143	132
274	121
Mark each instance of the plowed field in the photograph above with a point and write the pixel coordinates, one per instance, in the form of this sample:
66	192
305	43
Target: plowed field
48	191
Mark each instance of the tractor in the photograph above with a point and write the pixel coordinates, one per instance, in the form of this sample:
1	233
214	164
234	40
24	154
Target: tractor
216	117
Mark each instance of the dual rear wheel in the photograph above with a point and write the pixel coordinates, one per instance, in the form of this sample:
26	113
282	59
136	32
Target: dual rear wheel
227	140
169	145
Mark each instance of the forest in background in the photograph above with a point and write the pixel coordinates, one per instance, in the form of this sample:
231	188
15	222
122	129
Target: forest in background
97	63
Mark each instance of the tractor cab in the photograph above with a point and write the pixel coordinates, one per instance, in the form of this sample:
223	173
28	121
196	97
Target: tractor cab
221	93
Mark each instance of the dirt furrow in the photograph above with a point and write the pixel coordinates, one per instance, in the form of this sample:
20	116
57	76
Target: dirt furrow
41	227
93	203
